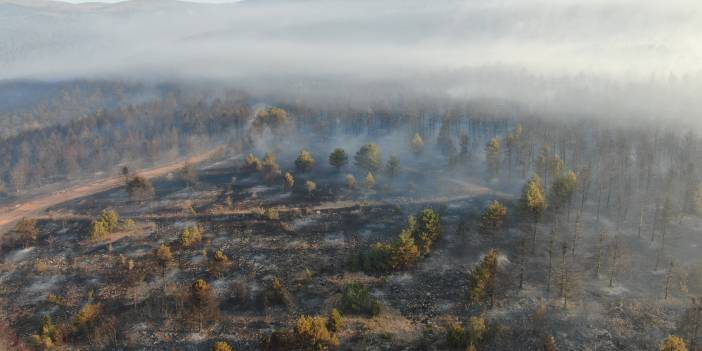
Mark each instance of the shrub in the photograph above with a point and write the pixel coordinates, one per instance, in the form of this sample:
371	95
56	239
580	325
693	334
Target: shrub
87	315
271	214
140	188
219	263
97	229
335	321
222	346
48	335
41	266
476	329
378	259
276	294
310	186
357	300
163	254
456	338
110	219
673	343
312	334
220	257
129	224
54	299
252	163
190	236
27	230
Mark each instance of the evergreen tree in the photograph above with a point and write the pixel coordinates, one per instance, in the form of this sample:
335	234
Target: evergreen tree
288	181
270	166
368	158
533	202
417	145
304	161
512	141
393	166
492	156
492	217
563	188
426	230
404	251
482	279
338	158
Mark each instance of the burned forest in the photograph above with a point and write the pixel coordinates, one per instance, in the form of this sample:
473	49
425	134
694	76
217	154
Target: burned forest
288	175
408	228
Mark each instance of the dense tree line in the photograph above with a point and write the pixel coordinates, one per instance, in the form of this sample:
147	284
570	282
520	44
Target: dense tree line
176	125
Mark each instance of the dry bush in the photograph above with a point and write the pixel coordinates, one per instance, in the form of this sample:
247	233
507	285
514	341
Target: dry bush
222	346
335	321
276	294
40	266
190	236
312	334
219	263
356	299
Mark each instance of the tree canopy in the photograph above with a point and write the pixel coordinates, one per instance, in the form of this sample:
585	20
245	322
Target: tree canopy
368	158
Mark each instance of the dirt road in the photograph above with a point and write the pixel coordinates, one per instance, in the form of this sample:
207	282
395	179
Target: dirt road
14	212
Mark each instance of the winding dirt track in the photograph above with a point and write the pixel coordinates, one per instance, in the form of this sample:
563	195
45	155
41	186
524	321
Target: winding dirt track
14	212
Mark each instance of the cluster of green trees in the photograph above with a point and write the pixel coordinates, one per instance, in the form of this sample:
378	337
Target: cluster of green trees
311	333
356	299
48	336
415	241
481	283
466	337
492	217
106	223
270	118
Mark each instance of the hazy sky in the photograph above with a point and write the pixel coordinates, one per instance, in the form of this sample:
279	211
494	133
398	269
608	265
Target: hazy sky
617	57
203	1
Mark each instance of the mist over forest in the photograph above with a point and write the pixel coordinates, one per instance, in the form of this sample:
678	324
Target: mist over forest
350	175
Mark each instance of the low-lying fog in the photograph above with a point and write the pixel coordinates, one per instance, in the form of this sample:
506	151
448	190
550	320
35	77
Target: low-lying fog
621	58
